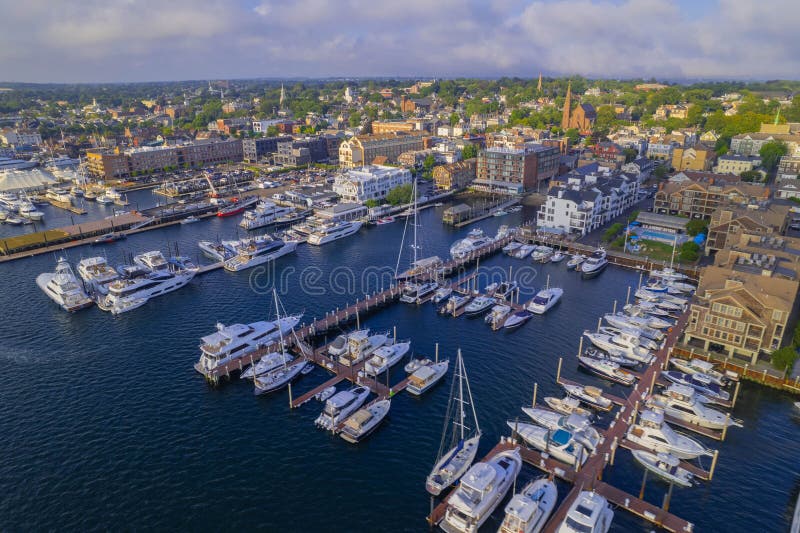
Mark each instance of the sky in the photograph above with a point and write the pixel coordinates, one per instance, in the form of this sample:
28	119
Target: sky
149	40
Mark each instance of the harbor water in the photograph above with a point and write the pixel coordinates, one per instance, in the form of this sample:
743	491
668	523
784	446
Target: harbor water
107	426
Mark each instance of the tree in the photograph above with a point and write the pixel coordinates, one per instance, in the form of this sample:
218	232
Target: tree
751	175
400	195
690	252
355	119
633	216
272	131
660	172
696	226
771	152
428	163
573	135
470	151
372	203
784	358
630	154
612	232
454	118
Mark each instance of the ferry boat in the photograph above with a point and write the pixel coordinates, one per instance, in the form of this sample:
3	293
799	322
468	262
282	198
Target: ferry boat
594	264
426	376
331	232
266	213
63	287
340	406
528	511
97	274
475	240
237	341
652	433
236	206
364	421
258	252
481	490
589	513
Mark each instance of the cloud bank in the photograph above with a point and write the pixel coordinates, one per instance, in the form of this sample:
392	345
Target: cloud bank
138	40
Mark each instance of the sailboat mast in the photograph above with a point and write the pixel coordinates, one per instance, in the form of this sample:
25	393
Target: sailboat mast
278	321
471	402
414	192
461	392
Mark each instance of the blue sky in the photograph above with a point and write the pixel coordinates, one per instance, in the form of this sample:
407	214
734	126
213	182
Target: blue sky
138	40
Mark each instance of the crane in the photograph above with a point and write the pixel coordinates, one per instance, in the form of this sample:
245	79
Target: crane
214	195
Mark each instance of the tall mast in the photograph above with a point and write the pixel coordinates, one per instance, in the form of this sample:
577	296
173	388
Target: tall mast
414	192
469	393
461	392
278	321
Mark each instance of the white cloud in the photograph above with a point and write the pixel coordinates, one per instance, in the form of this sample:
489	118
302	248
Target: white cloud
91	40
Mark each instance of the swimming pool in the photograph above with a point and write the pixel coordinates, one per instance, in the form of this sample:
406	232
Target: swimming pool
660	236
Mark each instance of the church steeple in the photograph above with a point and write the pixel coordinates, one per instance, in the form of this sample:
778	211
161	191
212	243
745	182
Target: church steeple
539	86
567	102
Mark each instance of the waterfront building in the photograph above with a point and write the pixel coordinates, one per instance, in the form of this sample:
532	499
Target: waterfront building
342	212
514	171
258	149
728	223
699	199
371	182
393	126
455	175
20	138
363	149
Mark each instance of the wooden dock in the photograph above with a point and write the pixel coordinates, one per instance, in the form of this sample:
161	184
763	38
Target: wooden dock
67	206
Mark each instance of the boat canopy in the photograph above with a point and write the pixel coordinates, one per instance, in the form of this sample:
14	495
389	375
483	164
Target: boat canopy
361	417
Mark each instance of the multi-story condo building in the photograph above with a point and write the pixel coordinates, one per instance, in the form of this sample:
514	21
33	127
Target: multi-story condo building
736	164
363	149
729	222
699	199
18	138
697	157
751	143
393	126
298	152
372	182
788	167
455	175
258	149
514	171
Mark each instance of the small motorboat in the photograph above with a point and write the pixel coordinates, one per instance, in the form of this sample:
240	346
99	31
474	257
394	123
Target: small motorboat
557	257
621	360
307	369
324	394
591	396
699	382
607	369
479	305
567	405
415	364
696	366
511	247
109	238
384	220
575	261
515	320
528	511
190	220
442	294
498	315
363	422
665	466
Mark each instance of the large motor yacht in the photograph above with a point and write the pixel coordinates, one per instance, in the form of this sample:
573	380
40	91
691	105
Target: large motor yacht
63	287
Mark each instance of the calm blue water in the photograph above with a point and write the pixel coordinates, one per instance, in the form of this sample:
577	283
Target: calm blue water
107	426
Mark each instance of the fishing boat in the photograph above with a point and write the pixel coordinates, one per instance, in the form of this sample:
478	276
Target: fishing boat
580	425
459	443
589	513
268	363
426	376
683	403
454	304
544	300
480	492
699	382
664	465
559	444
528	510
523	251
517	319
575	261
698	366
414	293
340	406
190	220
591	396
479	305
278	378
567	405
64	288
497	316
363	422
386	357
594	264
652	433
442	294
607	370
360	345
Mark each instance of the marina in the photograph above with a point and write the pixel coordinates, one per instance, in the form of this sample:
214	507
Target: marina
495	398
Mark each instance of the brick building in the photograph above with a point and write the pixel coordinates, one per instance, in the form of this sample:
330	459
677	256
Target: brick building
455	175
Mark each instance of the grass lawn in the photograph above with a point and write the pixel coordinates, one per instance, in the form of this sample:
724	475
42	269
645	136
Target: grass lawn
21	242
655	250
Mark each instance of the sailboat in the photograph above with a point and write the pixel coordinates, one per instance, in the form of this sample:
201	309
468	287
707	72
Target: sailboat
416	290
457	452
283	375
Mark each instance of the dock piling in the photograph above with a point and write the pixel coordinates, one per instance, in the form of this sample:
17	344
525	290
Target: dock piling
614	311
736	394
713	465
558	372
535	390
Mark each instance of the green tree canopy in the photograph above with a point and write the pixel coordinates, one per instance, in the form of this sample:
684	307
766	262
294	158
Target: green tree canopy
771	153
470	151
400	195
784	358
428	163
573	135
355	119
695	226
690	252
454	118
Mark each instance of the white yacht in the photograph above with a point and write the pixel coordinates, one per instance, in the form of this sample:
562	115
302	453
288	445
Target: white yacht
340	406
30	212
589	513
257	252
649	326
426	376
575	261
360	345
505	290
331	232
264	214
154	261
454	303
497	317
475	240
669	274
218	250
544	300
542	254
528	511
340	344
652	433
457	452
479	305
523	251
633	334
278	378
97	274
364	421
591	396
567	405
414	292
385	357
620	345
706	368
683	403
442	294
481	490
665	466
579	424
237	341
607	369
594	264
559	444
268	363
701	383
511	247
63	287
